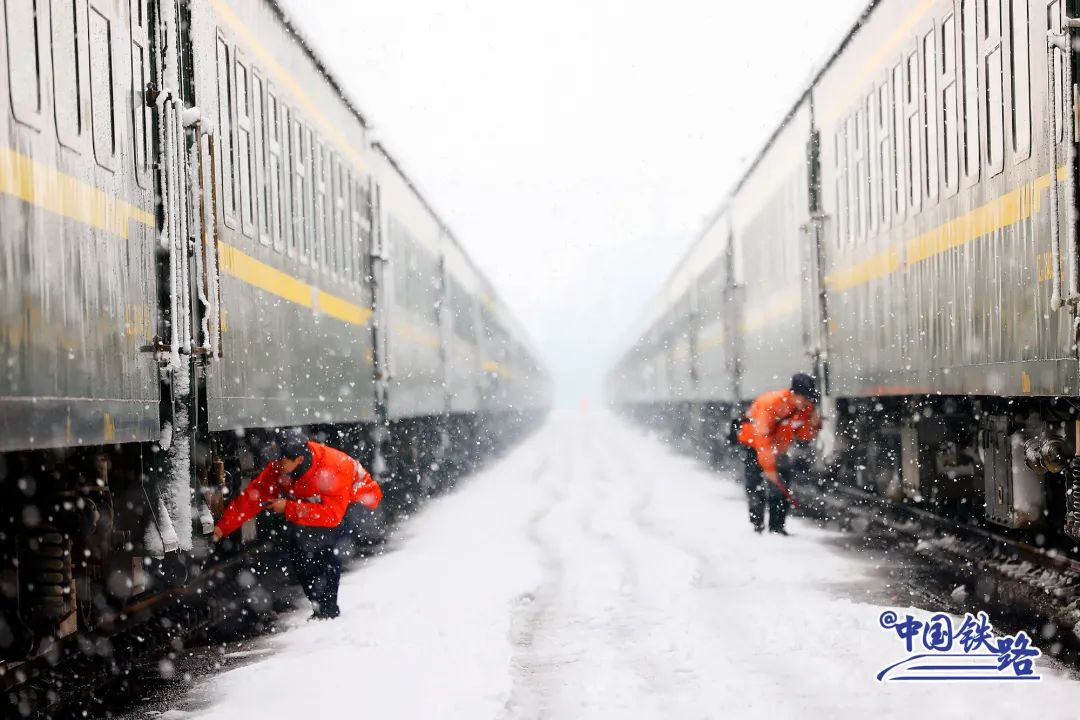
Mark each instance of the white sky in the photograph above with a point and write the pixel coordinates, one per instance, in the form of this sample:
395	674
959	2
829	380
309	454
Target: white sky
575	147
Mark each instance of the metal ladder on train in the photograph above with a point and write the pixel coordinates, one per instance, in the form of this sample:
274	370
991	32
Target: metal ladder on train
1060	63
189	291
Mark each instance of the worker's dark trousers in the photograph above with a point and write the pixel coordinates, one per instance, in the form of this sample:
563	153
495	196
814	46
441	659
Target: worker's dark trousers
760	491
316	562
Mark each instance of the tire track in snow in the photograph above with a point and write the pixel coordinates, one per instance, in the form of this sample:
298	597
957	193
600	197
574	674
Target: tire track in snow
611	623
622	628
578	633
672	513
714	589
708	573
640	484
534	612
588	515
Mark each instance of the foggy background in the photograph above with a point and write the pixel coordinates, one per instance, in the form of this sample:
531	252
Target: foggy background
574	147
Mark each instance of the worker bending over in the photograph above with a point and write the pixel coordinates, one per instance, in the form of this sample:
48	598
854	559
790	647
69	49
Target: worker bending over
312	485
775	420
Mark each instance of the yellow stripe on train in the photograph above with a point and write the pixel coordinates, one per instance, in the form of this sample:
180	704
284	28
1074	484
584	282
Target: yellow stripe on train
1002	212
61	194
57	192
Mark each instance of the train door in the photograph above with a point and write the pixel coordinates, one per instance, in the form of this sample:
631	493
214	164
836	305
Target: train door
693	331
1062	96
189	307
733	311
444	311
379	327
813	286
444	321
1060	136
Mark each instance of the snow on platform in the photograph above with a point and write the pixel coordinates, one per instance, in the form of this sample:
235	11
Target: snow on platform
594	573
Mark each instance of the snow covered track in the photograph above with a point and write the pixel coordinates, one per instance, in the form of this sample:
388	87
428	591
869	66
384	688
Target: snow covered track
593	573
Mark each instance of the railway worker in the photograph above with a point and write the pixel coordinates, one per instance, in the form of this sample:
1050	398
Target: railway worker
775	420
312	485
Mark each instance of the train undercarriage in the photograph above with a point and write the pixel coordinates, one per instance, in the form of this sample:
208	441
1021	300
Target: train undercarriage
84	529
1005	462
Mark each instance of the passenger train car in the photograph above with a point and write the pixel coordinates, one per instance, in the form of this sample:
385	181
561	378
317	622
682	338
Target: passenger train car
909	236
201	243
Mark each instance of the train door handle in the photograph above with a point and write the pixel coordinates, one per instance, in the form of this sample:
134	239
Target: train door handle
1056	42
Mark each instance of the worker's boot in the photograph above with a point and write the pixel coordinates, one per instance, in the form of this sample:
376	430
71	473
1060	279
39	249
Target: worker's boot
778	507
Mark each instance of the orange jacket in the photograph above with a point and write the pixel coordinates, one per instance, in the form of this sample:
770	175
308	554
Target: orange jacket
318	498
773	422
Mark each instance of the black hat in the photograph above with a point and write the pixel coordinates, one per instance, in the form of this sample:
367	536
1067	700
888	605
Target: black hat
804	385
291	443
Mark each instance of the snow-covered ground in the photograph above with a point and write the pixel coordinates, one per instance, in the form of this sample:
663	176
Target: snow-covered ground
594	573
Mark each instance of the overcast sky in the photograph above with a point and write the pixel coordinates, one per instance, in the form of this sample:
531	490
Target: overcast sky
575	147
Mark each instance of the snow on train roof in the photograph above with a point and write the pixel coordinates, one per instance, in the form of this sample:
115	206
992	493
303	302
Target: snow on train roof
395	164
678	279
812	78
488	292
705	248
323	70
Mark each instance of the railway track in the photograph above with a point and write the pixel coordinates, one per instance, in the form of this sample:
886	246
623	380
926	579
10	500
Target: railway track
1030	582
241	590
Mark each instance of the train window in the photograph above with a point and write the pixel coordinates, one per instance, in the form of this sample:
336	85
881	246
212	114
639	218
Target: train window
873	196
913	159
433	287
301	199
299	163
968	40
356	228
356	207
288	236
244	151
22	34
413	275
462	309
367	226
993	81
68	22
360	220
860	174
319	214
348	239
401	250
853	189
932	125
1020	47
342	246
329	249
274	185
840	164
102	90
345	222
352	221
330	259
262	160
141	119
226	136
464	315
950	127
886	174
899	147
332	262
400	253
365	210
